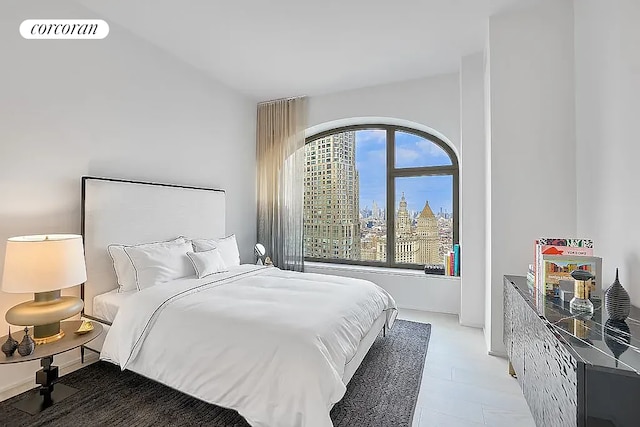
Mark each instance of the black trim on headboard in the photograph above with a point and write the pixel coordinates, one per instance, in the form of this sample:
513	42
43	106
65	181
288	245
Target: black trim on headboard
126	181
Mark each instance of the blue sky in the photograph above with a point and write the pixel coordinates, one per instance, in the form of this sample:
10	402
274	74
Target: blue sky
411	150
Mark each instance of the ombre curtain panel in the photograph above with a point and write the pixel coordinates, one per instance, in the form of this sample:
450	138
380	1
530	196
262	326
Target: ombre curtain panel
280	157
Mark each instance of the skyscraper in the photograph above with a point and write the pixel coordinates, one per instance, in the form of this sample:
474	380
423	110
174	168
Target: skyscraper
331	203
419	244
406	246
403	219
375	210
428	237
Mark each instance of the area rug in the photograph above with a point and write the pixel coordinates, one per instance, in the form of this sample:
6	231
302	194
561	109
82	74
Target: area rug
383	392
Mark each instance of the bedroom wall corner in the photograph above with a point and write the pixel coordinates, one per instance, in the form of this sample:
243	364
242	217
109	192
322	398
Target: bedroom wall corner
533	146
118	107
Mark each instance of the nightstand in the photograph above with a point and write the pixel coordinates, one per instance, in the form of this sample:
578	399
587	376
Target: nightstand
50	390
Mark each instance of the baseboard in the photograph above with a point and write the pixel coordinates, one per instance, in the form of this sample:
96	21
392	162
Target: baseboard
497	354
472	325
27	384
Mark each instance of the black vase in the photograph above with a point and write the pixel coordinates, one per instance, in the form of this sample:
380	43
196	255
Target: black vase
616	301
10	345
27	345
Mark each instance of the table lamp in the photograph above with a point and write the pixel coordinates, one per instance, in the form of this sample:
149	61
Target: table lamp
43	265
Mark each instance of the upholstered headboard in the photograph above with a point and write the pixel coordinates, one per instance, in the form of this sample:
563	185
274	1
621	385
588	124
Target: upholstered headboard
116	211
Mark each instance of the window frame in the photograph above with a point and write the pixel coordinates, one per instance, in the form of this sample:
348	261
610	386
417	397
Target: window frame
393	172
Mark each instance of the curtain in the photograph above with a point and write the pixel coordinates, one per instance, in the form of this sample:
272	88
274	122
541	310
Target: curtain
280	158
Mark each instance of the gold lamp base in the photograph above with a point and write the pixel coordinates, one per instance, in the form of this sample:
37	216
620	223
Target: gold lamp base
47	340
45	312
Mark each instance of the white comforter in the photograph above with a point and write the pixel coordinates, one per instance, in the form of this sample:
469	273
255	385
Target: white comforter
268	343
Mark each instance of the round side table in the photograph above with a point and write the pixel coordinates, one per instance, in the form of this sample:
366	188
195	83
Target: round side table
50	390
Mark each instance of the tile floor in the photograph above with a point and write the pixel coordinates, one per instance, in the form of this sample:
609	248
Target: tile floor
462	386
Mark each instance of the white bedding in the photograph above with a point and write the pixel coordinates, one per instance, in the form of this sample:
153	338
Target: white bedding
106	306
268	343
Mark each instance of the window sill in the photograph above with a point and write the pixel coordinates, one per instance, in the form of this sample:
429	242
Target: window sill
376	270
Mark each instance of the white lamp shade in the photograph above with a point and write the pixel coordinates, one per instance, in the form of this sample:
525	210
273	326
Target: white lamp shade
43	263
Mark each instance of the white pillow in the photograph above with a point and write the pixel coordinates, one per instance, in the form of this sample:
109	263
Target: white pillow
125	272
207	262
160	262
227	246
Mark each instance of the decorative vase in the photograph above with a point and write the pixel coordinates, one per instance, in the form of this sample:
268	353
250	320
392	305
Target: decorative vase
616	301
10	345
580	303
27	346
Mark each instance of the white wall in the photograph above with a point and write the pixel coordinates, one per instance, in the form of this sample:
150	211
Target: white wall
472	188
487	194
431	103
533	167
116	107
607	55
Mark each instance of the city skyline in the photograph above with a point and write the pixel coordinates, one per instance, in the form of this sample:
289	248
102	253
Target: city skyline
344	169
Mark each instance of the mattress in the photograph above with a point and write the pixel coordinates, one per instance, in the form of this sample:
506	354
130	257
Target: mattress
105	306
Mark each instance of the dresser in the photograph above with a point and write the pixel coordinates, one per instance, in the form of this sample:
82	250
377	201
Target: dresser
573	371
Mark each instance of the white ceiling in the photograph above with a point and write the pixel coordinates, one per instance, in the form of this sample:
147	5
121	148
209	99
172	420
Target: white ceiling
277	48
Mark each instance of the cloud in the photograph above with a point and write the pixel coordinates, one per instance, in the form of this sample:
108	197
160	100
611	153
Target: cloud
428	148
416	151
407	156
371	136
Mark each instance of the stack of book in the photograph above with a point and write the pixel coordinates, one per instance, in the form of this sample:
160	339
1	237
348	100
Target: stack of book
452	261
556	258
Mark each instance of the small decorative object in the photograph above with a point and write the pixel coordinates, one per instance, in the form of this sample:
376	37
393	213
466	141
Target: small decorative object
617	336
616	301
267	261
580	303
434	269
260	252
10	345
27	345
85	328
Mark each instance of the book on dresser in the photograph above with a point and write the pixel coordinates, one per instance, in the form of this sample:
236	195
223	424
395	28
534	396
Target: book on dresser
559	247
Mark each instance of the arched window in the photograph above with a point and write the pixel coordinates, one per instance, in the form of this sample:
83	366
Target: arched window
356	175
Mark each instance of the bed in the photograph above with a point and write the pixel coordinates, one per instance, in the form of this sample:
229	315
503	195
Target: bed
277	346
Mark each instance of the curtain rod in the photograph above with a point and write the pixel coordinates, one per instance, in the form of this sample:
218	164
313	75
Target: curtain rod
281	99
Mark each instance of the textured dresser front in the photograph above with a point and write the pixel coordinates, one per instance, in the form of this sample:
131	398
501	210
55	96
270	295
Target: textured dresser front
546	371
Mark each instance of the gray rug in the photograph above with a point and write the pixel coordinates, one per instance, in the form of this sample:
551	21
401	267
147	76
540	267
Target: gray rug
382	392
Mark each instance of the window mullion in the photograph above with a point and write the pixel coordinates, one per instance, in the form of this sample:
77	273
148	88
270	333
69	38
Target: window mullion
391	197
424	171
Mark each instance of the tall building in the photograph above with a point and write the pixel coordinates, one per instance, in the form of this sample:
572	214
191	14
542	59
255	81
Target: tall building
428	237
331	202
418	244
406	247
403	219
375	211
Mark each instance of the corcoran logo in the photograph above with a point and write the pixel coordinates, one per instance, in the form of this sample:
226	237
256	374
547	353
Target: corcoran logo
67	29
